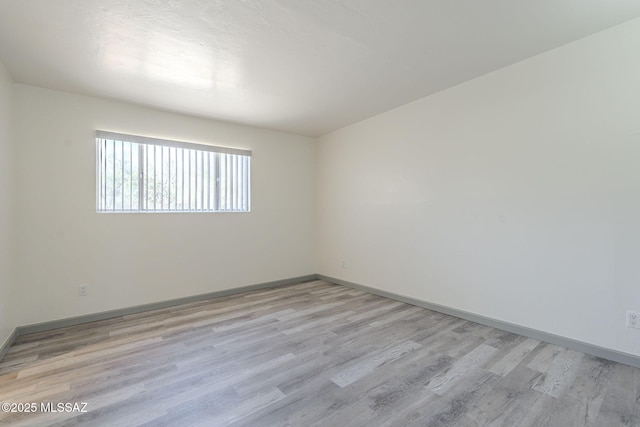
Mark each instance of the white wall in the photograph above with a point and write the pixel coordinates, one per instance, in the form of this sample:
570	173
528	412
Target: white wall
514	196
7	323
132	259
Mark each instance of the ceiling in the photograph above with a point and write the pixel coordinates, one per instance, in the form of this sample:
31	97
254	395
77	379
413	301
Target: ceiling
301	66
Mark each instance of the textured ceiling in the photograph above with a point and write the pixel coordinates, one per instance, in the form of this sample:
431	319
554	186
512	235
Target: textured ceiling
301	66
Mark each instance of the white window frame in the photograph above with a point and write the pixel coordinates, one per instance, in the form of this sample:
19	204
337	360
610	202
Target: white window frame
131	172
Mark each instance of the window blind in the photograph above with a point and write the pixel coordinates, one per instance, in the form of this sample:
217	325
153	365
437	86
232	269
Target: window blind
142	174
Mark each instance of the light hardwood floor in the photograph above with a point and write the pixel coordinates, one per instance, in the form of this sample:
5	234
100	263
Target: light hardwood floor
310	354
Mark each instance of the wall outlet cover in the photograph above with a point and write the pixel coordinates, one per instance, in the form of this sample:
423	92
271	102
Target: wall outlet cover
633	319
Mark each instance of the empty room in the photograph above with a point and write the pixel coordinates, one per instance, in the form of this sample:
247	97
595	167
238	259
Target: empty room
320	213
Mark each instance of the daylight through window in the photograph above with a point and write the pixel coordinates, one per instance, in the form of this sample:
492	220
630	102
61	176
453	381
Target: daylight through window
140	174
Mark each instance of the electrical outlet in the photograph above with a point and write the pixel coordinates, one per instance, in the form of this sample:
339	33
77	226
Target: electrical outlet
633	319
344	264
82	290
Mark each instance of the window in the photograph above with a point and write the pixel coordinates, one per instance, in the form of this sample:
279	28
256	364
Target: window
140	174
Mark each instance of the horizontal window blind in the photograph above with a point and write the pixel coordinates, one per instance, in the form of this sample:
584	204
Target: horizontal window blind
141	174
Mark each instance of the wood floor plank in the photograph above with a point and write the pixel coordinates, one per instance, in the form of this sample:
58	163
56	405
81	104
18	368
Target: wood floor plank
368	366
454	405
561	373
509	399
310	354
621	404
465	365
513	358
